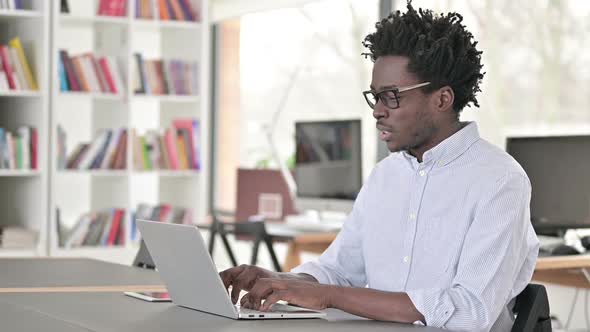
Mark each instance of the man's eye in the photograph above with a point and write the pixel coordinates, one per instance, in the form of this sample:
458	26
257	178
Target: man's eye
388	95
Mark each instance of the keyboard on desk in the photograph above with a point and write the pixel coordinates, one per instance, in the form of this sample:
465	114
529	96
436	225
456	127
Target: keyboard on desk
276	308
557	249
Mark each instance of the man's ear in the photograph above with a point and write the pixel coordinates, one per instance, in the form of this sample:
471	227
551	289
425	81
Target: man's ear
444	99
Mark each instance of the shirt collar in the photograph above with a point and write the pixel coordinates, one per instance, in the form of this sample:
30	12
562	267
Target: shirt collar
451	148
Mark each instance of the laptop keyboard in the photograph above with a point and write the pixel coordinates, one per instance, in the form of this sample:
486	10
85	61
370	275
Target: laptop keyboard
277	307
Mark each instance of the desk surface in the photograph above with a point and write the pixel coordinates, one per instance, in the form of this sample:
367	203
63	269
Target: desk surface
18	318
71	272
116	312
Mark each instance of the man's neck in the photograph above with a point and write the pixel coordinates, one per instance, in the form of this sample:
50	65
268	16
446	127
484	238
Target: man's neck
436	139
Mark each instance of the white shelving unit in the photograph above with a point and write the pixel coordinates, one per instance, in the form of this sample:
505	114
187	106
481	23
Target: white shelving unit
25	192
82	114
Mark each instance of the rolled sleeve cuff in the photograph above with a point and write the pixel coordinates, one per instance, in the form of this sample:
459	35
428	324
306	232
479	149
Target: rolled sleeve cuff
435	305
316	271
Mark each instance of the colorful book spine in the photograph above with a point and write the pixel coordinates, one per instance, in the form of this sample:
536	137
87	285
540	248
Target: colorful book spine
8	69
63	79
186	10
30	78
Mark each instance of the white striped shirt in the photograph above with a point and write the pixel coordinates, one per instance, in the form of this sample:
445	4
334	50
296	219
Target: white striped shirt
453	232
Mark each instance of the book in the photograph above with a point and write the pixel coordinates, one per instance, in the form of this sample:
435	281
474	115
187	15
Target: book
80	74
107	159
73	82
178	13
93	150
120	159
4	158
117	226
11	148
163	10
18	68
29	77
187	10
34	144
171	148
3	79
63	79
190	126
8	69
25	139
115	73
108	75
100	154
139	72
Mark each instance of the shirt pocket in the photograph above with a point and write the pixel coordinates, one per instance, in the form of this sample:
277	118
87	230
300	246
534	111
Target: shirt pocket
440	245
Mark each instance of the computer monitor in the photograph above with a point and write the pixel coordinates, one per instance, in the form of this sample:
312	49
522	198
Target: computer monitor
559	170
328	171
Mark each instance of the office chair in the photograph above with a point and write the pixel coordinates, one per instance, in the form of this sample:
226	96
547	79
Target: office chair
254	230
532	310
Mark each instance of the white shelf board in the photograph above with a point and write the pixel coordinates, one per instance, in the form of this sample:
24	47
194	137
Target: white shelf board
171	24
169	173
168	98
67	19
21	93
93	172
16	14
92	95
26	252
18	173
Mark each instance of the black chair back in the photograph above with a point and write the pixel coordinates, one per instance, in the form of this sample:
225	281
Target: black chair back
532	310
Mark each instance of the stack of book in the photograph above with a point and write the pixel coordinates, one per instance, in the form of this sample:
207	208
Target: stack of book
176	149
89	74
19	150
102	228
11	4
178	10
17	238
15	73
162	212
107	150
112	7
159	77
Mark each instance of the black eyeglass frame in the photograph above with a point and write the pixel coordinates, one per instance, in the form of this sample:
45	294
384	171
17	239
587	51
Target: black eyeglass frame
387	100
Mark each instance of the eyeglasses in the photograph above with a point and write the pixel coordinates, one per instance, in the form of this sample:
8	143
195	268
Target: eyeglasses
389	97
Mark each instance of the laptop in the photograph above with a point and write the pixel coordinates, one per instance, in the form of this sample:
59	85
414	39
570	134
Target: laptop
185	266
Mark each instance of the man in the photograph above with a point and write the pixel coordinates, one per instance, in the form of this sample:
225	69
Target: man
440	233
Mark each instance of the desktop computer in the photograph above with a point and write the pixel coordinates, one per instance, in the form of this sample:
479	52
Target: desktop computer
559	170
328	171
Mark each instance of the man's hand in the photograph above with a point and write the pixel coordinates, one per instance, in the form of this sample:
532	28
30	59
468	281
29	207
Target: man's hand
307	294
243	277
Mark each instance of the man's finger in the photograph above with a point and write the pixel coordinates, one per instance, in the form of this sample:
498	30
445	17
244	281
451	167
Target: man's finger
228	276
273	298
237	286
260	291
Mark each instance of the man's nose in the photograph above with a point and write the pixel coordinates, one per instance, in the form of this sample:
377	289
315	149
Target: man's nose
379	111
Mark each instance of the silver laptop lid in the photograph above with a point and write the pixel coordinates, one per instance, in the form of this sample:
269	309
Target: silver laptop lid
186	267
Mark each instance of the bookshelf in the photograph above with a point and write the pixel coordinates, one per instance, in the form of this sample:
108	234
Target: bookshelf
82	114
24	191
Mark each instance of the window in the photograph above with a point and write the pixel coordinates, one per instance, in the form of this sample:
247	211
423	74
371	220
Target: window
295	64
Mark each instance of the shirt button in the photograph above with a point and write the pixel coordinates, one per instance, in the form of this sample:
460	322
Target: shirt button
406	259
422	173
412	216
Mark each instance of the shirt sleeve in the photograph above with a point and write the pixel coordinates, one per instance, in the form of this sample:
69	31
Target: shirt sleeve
494	252
342	263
